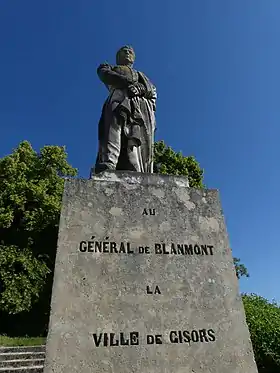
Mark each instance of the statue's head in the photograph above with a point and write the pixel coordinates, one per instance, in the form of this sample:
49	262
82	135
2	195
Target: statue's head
125	56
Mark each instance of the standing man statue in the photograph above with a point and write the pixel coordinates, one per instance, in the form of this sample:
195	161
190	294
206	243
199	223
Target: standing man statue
127	124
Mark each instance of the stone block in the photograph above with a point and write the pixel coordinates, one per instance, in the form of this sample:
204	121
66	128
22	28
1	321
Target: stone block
144	281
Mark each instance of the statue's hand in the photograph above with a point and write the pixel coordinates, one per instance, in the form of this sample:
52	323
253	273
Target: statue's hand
103	68
132	91
137	89
105	64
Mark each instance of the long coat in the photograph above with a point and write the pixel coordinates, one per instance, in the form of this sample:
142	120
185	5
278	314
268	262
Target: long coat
135	114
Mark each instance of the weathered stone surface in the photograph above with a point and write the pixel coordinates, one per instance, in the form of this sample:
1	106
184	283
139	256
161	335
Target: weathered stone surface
187	294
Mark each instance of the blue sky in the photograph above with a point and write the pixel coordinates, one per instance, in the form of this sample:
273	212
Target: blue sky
216	66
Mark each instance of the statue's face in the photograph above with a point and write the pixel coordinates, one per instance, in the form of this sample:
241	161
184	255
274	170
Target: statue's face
125	56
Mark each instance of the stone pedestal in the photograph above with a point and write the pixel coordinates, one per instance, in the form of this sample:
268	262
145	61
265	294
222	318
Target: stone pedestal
144	281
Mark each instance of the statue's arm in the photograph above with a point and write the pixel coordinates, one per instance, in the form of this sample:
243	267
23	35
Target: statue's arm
146	90
112	78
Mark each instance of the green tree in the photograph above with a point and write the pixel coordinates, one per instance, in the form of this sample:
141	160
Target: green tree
167	161
240	268
31	186
263	319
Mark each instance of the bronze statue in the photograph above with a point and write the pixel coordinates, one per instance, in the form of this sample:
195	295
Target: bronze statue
127	124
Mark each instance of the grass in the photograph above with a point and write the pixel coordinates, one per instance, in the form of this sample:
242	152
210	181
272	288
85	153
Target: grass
21	341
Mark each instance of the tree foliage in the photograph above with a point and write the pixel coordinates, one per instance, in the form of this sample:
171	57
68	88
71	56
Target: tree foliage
240	268
263	319
31	187
169	162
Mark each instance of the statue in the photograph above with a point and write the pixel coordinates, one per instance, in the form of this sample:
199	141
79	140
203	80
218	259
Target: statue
127	124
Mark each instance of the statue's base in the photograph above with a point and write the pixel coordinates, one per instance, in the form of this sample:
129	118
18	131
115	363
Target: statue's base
144	280
133	177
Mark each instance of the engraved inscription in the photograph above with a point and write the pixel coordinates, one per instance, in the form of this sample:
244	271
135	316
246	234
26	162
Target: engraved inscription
173	337
149	212
109	247
111	339
124	247
153	290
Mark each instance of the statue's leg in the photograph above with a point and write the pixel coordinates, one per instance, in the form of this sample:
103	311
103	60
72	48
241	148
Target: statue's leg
110	145
134	157
129	157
